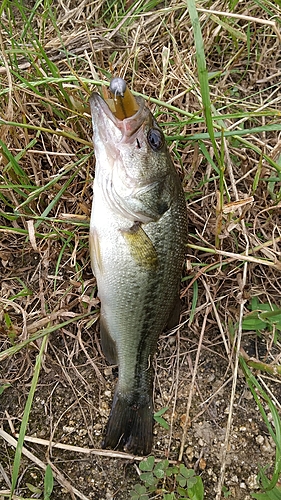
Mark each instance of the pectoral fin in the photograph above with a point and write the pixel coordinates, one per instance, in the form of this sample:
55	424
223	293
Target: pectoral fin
141	247
94	251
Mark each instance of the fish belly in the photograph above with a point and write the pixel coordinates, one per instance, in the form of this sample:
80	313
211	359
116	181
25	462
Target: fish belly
137	297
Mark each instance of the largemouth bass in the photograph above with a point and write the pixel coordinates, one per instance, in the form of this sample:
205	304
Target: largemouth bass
138	233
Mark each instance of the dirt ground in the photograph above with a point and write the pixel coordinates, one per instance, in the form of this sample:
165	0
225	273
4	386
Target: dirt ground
73	399
44	288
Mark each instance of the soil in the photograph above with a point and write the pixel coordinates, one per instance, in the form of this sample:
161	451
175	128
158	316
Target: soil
43	288
73	398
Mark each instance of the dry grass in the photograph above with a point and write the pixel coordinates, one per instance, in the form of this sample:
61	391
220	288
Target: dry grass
51	61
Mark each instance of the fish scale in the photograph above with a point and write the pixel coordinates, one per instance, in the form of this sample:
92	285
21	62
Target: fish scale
138	233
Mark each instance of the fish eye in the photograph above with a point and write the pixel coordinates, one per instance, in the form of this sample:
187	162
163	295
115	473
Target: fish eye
155	139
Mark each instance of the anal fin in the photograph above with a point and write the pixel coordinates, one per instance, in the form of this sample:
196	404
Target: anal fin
108	345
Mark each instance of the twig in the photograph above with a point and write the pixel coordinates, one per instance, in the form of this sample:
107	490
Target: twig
238	256
238	343
58	476
233	391
189	401
75	449
251	19
210	298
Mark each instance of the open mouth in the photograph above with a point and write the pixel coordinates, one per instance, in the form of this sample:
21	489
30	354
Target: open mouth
120	99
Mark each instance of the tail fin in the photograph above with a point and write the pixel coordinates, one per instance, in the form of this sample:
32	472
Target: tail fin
130	424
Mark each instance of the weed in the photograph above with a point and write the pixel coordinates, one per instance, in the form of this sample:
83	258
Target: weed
48	482
167	481
159	418
212	77
270	489
263	316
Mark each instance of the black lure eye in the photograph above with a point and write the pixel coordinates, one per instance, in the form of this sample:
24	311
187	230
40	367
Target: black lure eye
155	139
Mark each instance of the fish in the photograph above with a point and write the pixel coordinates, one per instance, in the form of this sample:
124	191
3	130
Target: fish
137	241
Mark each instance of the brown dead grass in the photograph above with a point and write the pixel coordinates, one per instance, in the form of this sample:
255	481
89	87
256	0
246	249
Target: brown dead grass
46	277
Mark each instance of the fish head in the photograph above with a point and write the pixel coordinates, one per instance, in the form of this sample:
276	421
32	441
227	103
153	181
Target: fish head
133	166
109	131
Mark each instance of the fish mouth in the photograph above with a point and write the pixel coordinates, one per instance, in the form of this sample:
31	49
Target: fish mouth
120	110
120	99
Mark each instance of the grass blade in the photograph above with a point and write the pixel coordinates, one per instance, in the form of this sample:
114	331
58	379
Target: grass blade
48	482
25	418
202	73
268	484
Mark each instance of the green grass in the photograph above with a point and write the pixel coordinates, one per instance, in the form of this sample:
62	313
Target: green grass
158	477
270	488
217	98
25	418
